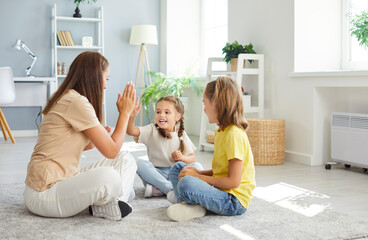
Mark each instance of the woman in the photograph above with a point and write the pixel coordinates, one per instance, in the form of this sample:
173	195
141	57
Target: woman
55	186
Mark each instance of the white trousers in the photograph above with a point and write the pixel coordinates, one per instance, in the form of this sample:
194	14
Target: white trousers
97	184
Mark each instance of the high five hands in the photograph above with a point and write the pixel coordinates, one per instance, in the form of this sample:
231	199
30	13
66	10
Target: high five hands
126	102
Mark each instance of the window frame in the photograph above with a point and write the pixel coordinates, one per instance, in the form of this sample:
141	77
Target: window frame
346	42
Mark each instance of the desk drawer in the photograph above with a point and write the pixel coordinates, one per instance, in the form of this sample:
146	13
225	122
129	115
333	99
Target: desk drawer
29	94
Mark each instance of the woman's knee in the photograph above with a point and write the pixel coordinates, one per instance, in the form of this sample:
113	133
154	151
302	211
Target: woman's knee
130	161
108	178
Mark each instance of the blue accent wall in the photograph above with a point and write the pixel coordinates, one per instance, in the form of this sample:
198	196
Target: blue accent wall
31	22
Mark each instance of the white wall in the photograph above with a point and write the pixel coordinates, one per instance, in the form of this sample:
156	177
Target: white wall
304	102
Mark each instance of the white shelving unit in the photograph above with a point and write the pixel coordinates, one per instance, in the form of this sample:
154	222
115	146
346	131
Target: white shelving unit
243	69
58	51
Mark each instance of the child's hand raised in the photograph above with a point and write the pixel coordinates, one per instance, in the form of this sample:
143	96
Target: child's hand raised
136	109
177	156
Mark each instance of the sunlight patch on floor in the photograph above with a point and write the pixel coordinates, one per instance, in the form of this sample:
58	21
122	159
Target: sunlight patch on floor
299	200
235	232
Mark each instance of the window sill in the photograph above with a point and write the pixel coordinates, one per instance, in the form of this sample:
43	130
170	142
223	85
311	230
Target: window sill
337	73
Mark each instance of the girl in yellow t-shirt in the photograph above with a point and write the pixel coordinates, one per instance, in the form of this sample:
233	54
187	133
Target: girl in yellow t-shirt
226	189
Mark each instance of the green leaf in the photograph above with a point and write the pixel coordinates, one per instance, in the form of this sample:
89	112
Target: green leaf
234	49
359	28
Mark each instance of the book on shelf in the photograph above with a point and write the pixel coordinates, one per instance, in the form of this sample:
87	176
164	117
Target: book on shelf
70	38
60	37
65	38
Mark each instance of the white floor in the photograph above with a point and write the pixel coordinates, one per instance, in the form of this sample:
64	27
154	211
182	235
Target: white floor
301	188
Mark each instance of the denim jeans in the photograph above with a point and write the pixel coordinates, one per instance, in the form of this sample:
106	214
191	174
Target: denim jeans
158	176
193	190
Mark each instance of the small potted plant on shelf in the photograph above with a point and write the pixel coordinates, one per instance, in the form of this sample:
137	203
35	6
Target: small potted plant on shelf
359	28
77	3
163	85
232	50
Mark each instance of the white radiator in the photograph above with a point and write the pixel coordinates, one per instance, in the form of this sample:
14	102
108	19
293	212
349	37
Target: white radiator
349	139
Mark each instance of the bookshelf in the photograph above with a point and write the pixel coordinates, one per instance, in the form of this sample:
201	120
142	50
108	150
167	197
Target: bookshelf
243	70
87	26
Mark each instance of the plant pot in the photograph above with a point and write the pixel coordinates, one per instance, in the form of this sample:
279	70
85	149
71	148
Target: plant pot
234	64
77	13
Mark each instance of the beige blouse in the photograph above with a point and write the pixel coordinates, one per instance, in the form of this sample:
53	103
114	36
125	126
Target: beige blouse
61	141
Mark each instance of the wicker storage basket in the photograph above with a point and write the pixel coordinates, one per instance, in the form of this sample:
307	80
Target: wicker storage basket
267	140
210	136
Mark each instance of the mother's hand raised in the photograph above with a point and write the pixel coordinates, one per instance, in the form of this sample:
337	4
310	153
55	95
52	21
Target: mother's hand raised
126	102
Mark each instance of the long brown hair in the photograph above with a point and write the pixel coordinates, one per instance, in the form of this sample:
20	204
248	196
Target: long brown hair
179	107
85	77
225	93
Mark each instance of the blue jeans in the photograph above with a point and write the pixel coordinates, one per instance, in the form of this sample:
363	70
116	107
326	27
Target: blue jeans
157	176
193	190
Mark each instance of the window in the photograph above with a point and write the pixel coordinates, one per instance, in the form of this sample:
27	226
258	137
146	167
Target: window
214	30
317	35
354	56
195	31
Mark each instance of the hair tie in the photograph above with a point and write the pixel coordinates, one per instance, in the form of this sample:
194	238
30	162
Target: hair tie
181	138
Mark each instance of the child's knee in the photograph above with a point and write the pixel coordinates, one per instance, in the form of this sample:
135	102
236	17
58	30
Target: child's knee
178	166
197	165
186	184
142	165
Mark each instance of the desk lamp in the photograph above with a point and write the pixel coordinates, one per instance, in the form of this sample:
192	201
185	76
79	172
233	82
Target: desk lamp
20	44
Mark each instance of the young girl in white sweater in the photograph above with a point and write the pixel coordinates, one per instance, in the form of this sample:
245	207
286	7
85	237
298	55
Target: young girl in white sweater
166	145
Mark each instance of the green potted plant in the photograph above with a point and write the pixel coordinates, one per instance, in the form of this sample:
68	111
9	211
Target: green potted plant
163	85
77	3
232	50
359	28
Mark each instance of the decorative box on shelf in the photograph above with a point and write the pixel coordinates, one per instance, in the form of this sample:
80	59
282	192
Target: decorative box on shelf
210	136
247	101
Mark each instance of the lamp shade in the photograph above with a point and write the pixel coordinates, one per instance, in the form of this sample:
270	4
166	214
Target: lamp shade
146	34
17	45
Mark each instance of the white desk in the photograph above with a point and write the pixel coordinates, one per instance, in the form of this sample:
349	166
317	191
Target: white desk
33	91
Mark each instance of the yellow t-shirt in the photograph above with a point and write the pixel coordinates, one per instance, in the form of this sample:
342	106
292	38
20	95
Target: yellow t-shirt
61	141
229	144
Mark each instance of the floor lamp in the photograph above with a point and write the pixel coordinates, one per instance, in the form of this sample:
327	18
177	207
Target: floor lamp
143	35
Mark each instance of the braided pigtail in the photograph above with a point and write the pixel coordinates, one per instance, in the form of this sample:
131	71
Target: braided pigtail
180	135
162	132
179	107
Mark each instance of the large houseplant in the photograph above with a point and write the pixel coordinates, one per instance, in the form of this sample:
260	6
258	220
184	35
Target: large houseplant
163	85
232	50
359	28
